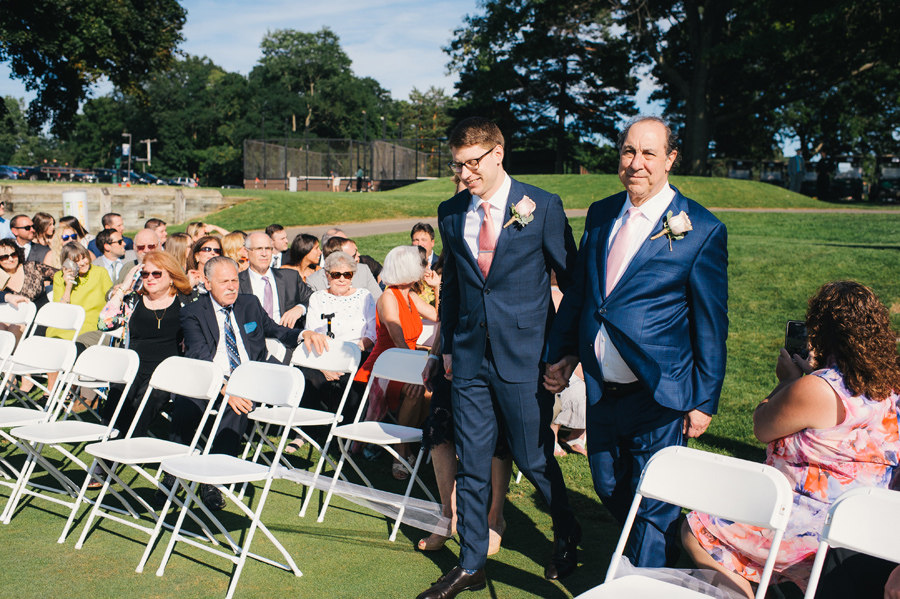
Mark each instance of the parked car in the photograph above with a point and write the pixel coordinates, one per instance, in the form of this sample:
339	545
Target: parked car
8	172
774	173
184	181
887	179
154	180
847	180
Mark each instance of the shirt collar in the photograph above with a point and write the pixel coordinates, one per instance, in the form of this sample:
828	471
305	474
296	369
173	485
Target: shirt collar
216	305
256	277
653	208
498	200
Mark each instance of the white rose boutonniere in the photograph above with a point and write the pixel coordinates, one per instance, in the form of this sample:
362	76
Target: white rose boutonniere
674	227
521	212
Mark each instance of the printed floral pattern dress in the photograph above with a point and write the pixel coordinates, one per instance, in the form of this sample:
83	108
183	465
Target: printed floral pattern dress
820	464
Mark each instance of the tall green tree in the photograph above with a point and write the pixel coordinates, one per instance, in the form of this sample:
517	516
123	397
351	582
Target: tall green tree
59	48
544	70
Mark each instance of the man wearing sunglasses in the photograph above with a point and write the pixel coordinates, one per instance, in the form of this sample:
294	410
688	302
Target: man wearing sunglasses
145	241
23	232
281	292
112	221
112	245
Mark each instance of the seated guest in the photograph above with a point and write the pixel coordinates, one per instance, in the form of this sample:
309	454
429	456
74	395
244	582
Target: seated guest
362	278
26	279
303	255
227	328
280	242
150	316
828	432
233	247
399	324
112	253
203	250
281	293
180	246
197	230
145	241
23	233
86	286
113	221
44	227
68	230
422	235
159	226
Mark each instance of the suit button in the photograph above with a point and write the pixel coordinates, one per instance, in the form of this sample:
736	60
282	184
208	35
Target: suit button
602	310
481	324
487	291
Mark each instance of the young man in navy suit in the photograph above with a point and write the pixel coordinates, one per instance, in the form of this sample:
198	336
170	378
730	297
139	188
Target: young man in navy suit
495	313
647	317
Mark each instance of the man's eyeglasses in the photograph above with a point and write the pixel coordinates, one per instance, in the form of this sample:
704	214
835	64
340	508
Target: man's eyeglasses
149	247
25	228
471	164
156	274
210	250
70	237
8	256
117	241
338	275
262	249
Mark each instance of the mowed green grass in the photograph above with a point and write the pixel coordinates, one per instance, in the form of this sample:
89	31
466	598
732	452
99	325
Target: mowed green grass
776	261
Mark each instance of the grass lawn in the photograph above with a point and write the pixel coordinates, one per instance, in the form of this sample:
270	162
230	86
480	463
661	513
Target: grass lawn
422	199
776	262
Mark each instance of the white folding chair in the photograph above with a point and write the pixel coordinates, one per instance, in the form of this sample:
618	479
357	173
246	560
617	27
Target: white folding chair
99	363
723	486
402	365
191	378
429	332
22	314
61	316
274	385
866	520
40	353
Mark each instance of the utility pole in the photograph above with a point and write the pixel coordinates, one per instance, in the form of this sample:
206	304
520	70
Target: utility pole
128	135
149	157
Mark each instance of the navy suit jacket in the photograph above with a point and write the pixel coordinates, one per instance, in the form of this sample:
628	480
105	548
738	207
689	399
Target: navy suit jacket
290	288
201	331
667	315
513	305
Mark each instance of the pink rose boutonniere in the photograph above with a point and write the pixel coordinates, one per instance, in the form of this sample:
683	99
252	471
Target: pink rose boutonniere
521	212
674	227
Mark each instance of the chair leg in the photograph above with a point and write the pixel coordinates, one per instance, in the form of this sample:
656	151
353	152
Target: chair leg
334	480
78	500
409	487
16	495
175	531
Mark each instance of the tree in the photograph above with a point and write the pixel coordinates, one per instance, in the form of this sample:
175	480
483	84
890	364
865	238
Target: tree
20	143
59	48
544	69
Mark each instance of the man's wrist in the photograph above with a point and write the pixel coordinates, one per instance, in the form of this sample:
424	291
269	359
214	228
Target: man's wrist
433	357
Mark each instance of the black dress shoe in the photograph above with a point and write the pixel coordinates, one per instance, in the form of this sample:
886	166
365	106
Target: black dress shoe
159	498
453	583
212	497
564	559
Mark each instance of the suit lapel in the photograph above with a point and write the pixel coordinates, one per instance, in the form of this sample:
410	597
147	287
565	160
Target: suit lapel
649	248
280	289
210	323
458	224
504	237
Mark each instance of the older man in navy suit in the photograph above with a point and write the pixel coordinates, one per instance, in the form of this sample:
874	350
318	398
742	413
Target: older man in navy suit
647	317
495	312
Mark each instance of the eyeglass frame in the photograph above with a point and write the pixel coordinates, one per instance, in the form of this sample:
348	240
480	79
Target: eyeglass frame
339	275
69	237
457	167
207	249
156	274
262	248
149	247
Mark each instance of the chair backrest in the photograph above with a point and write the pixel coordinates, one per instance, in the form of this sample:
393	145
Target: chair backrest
723	486
45	354
340	357
69	317
276	348
867	520
22	314
110	364
404	365
7	345
266	383
429	331
185	376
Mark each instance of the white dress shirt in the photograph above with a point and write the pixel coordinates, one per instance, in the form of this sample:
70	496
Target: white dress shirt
499	210
256	282
113	267
613	367
221	357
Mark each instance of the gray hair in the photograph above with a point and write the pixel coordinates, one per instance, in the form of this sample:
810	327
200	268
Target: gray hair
337	258
671	138
211	264
248	243
403	265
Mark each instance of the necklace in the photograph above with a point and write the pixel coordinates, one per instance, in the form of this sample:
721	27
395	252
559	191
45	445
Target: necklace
159	318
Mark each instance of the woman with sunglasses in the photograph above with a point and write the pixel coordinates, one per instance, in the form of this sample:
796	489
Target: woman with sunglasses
68	230
150	315
27	279
204	248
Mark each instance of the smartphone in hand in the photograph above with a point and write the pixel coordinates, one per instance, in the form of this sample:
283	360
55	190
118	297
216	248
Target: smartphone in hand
795	339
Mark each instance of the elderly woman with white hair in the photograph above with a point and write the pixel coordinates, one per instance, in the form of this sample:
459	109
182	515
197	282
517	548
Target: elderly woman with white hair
399	324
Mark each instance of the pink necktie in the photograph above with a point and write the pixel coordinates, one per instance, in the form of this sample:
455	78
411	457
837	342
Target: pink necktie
619	248
268	300
486	240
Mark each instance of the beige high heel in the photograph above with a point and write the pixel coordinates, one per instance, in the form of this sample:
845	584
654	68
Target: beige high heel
495	538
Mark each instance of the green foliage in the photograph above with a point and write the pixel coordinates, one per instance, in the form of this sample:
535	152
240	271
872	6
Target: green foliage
60	47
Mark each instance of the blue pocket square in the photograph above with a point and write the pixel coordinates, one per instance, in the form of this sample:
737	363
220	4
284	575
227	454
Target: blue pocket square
249	327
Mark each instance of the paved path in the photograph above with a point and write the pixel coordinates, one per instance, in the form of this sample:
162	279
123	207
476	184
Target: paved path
405	224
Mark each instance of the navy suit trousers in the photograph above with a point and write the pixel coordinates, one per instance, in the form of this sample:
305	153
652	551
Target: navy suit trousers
480	406
623	434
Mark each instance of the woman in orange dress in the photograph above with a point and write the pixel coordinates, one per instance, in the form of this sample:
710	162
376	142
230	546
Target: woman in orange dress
398	323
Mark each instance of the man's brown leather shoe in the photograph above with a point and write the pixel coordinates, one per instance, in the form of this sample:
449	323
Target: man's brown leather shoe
564	559
453	583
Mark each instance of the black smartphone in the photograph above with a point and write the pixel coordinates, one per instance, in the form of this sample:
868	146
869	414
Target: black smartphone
795	339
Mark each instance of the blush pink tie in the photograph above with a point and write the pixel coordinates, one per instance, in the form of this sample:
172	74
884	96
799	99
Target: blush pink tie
487	240
619	249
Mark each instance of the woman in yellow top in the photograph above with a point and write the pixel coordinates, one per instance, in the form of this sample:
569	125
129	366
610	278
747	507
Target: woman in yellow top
85	287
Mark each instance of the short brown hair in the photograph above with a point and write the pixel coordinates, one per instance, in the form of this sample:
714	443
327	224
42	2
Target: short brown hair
168	263
476	131
334	244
